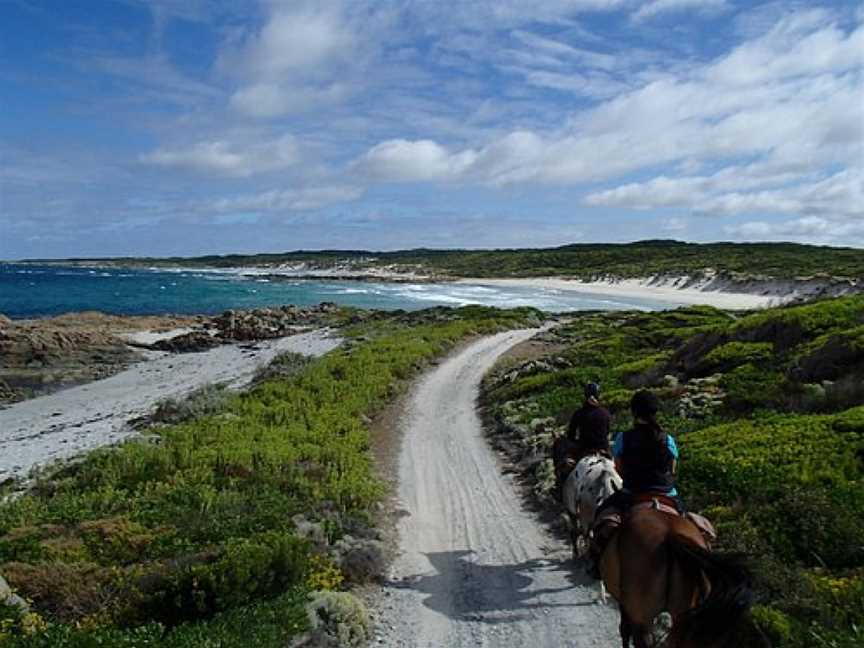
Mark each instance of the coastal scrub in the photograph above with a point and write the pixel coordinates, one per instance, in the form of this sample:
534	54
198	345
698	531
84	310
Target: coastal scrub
169	540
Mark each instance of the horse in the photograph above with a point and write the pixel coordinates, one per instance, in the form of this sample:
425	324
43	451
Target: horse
592	480
658	561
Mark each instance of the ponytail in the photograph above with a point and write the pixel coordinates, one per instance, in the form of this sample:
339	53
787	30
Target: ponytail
645	406
659	433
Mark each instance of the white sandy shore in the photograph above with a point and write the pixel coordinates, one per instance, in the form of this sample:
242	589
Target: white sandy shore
670	291
151	337
73	421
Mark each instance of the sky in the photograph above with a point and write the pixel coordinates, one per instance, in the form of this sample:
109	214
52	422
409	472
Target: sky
184	127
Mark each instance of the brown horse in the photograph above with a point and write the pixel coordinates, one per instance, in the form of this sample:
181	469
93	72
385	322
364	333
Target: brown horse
657	562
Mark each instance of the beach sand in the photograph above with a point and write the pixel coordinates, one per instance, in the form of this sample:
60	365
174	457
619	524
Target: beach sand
70	422
669	291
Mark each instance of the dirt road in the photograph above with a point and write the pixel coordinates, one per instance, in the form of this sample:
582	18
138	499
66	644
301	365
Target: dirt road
475	568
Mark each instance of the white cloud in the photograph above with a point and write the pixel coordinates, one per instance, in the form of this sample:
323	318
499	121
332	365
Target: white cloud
226	158
283	200
801	123
304	57
656	7
502	14
840	196
275	99
421	160
297	39
811	229
801	44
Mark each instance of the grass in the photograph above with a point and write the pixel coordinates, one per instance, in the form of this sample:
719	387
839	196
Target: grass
175	541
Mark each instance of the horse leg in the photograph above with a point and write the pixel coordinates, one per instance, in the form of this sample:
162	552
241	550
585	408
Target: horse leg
625	629
575	532
640	634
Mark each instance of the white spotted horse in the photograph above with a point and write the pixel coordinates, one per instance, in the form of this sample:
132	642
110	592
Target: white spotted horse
588	485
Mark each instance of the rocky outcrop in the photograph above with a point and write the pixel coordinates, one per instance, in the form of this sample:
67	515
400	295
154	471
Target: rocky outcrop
268	323
43	355
188	343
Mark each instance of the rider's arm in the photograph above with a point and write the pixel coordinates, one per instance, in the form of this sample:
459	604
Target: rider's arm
575	422
673	449
617	449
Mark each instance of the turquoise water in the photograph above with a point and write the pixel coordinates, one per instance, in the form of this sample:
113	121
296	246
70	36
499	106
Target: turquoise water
37	291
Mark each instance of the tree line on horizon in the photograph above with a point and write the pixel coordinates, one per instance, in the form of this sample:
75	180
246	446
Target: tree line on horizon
578	260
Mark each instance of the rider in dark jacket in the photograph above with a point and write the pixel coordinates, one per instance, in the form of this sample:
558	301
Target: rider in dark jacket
587	433
589	425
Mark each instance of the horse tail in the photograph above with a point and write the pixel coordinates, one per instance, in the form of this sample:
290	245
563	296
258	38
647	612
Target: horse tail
712	622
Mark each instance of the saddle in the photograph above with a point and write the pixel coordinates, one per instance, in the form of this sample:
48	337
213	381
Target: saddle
608	521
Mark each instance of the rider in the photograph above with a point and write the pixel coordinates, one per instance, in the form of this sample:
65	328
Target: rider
646	458
587	433
592	422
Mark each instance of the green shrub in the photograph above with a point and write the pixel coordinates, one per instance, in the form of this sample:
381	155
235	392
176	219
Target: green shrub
204	401
750	387
788	327
776	625
766	456
813	526
734	354
338	619
269	623
284	366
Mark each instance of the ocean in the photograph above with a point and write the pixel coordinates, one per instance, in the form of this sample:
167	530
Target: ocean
28	291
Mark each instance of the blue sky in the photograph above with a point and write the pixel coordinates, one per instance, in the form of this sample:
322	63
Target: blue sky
166	127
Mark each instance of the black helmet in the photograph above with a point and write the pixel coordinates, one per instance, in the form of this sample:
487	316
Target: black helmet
644	403
592	390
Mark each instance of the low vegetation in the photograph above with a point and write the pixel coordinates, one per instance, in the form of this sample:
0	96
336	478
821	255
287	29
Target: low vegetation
640	259
768	409
214	529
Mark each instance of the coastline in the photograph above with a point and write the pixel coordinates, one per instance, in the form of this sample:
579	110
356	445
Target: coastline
76	420
681	291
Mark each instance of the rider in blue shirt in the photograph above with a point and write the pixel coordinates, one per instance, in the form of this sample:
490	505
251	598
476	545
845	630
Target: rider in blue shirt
646	457
618	454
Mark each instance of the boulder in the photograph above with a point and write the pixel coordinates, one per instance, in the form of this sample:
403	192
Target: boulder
10	598
188	343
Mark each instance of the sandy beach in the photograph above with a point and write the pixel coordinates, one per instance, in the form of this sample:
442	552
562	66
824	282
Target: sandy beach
70	422
676	291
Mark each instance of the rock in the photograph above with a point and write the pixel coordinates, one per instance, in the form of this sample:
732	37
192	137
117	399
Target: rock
541	425
188	343
4	321
6	392
10	598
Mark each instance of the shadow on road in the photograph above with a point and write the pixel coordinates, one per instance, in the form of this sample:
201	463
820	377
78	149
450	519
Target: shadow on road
464	590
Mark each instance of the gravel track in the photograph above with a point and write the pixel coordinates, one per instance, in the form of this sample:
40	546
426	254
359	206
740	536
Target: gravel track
474	567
